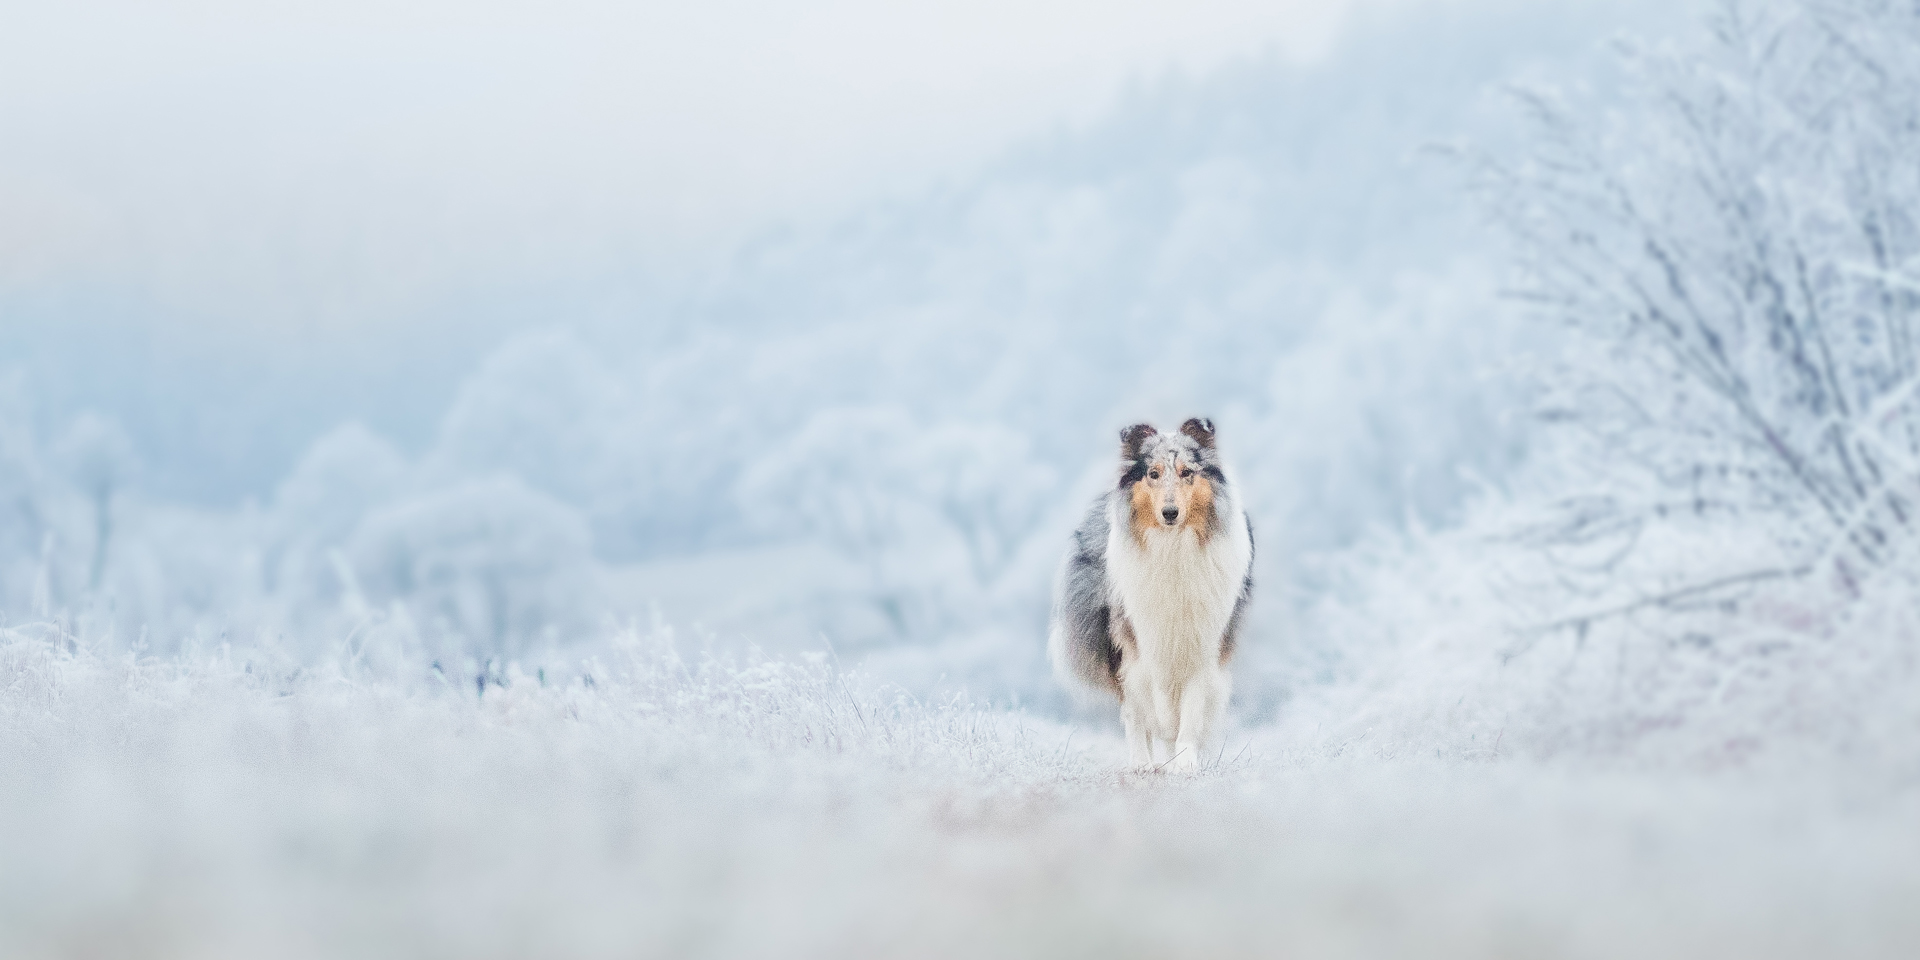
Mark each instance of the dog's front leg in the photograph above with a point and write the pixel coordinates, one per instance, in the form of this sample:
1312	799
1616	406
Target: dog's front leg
1139	739
1201	704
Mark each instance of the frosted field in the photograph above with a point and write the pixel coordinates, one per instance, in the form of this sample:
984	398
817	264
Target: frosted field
224	805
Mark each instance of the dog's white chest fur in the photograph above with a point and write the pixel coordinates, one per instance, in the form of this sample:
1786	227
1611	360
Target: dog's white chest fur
1178	594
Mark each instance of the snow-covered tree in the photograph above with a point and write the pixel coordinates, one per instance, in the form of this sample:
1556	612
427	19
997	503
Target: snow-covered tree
541	407
344	475
1738	246
25	520
490	565
932	515
544	408
98	458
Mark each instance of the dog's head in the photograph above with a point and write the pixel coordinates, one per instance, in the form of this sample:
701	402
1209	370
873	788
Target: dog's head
1171	478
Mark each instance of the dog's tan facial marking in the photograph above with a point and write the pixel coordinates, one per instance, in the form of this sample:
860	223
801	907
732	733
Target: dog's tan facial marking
1146	509
1198	509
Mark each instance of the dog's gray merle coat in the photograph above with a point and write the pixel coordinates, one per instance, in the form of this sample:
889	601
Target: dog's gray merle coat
1090	631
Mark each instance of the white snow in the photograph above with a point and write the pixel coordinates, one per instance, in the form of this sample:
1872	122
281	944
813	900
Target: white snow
228	804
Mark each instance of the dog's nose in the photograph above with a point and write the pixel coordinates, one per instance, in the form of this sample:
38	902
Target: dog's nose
1170	514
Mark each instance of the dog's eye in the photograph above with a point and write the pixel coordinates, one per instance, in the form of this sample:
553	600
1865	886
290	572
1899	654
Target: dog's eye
1153	475
1186	474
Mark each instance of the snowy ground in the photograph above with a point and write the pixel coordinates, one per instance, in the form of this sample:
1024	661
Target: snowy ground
227	804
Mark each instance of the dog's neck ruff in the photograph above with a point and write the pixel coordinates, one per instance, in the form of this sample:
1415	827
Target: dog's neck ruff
1178	591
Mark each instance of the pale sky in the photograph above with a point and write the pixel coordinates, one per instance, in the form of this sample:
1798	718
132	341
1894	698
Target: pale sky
333	165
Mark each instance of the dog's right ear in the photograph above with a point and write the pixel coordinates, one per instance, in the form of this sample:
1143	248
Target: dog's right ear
1133	442
1133	438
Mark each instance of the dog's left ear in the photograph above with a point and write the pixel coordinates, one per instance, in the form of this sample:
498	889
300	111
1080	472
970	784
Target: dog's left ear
1200	429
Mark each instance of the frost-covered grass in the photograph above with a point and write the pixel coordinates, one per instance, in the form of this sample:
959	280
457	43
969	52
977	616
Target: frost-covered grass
232	804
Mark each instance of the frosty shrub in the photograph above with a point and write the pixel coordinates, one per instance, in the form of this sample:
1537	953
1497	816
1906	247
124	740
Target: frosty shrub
1739	253
931	516
23	520
98	458
488	566
57	505
543	408
344	475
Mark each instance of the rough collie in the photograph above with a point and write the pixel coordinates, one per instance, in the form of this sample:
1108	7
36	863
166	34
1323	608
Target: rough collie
1152	594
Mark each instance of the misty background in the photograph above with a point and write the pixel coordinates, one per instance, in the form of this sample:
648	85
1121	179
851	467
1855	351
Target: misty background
794	330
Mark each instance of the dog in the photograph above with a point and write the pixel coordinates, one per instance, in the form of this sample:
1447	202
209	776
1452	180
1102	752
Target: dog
1152	596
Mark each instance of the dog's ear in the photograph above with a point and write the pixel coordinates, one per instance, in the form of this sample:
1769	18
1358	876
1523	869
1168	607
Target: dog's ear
1200	429
1133	442
1133	438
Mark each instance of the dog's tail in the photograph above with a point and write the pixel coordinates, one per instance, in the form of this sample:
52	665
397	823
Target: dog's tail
1080	666
1079	634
